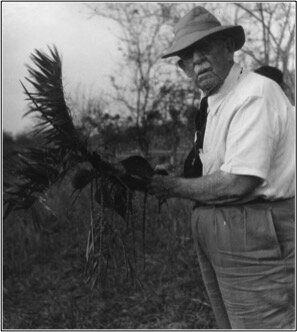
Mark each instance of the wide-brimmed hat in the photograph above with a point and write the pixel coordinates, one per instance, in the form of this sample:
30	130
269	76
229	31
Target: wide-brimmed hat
198	24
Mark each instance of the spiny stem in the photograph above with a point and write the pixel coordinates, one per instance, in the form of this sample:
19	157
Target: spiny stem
143	226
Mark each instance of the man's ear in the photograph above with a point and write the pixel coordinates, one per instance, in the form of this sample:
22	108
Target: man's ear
230	45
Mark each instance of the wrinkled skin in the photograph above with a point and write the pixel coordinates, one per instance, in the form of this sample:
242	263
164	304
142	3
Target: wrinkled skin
208	63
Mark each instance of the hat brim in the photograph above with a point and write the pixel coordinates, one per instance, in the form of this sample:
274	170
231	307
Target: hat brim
234	31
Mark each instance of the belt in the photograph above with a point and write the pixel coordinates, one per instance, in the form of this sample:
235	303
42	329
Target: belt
258	200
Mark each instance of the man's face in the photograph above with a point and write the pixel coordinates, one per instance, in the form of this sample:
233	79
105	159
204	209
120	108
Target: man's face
208	62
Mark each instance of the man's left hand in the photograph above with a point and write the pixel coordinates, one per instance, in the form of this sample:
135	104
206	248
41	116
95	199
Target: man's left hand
163	186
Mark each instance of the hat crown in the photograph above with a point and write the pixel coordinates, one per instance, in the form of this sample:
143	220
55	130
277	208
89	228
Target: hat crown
199	23
198	19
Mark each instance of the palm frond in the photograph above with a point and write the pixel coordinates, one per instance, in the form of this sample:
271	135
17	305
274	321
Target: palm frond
36	170
60	148
48	102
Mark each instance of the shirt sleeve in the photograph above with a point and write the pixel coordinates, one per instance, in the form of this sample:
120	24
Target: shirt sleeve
250	141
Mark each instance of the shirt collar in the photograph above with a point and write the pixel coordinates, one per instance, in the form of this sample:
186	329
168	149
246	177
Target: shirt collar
215	100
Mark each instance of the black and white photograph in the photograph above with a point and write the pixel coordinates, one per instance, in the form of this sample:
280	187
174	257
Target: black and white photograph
148	165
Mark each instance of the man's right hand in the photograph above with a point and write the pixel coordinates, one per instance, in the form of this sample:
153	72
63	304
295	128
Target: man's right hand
163	169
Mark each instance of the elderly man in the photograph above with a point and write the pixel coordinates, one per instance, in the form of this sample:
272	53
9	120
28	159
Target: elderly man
243	217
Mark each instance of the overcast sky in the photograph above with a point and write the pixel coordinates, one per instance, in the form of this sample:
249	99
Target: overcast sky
88	49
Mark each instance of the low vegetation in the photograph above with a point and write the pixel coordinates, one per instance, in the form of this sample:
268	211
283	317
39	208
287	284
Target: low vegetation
44	271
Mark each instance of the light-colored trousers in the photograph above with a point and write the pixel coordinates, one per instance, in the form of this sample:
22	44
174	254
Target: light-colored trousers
246	256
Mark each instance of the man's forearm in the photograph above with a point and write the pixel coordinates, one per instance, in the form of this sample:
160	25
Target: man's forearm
219	187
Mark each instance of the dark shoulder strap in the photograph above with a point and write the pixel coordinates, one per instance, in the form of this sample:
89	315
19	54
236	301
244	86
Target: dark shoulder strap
193	164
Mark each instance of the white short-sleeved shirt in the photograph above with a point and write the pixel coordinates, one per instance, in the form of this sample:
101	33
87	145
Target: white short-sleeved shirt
251	131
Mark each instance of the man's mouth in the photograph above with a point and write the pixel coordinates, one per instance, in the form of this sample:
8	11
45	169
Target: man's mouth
200	72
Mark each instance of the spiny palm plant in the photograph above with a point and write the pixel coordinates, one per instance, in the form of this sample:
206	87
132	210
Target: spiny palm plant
61	148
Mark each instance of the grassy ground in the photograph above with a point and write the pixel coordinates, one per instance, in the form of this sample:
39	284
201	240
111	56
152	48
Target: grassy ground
45	285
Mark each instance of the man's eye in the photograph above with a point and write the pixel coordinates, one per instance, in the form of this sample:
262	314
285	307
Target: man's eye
204	47
186	55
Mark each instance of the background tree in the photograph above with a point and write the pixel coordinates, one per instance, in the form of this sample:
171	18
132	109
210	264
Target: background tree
145	30
101	126
177	105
